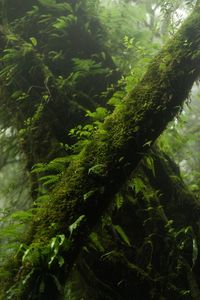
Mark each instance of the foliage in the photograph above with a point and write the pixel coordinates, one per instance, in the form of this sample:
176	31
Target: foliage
180	141
52	85
147	245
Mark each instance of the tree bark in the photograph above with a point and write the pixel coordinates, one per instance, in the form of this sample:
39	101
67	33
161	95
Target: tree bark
106	162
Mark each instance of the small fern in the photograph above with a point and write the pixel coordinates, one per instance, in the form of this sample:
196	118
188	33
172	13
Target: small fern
49	180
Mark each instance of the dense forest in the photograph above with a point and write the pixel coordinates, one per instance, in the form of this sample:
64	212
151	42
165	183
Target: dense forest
99	143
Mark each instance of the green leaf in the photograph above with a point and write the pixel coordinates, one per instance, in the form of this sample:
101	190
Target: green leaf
137	185
188	230
119	200
63	22
149	162
89	194
98	169
26	254
76	224
49	180
147	144
122	234
57	241
12	37
37	168
30	274
33	41
96	242
22	215
98	115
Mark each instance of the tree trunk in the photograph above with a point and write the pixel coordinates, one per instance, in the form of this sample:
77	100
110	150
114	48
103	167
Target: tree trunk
106	162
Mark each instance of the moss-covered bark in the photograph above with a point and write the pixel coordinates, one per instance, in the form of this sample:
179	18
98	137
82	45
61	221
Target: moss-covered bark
105	163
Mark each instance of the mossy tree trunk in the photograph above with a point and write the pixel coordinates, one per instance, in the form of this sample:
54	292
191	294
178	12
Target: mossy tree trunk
106	162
